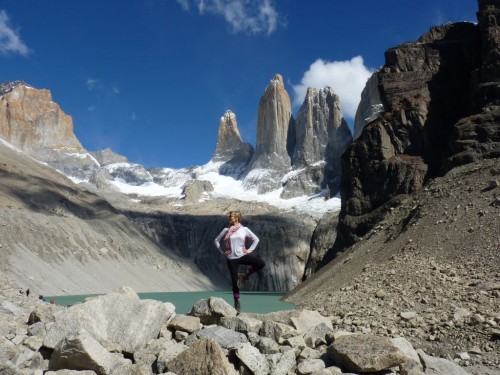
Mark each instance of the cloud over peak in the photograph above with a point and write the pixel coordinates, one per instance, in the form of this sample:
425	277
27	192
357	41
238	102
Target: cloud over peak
249	16
10	41
346	78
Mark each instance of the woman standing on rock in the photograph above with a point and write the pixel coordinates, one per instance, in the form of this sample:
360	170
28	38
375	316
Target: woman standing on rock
231	243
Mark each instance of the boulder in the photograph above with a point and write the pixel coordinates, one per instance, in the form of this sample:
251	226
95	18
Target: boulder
310	366
318	335
169	353
205	357
365	353
252	358
80	351
277	331
212	310
184	323
439	366
282	364
226	338
309	319
196	190
241	323
120	317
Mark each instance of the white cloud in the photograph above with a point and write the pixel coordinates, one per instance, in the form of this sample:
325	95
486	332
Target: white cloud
10	41
184	4
92	83
347	78
250	16
100	87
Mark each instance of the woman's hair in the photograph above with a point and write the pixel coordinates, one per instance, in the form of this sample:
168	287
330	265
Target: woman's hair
236	214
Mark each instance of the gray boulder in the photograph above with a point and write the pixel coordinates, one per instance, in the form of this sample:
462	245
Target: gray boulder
80	351
184	323
439	366
282	364
196	190
365	353
120	317
252	358
169	353
241	323
212	310
277	331
226	338
205	357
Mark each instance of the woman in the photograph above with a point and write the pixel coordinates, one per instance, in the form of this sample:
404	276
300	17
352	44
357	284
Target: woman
231	243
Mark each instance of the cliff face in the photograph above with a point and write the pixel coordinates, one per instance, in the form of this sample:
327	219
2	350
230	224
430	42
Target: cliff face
32	122
440	96
320	136
271	158
370	107
478	136
284	240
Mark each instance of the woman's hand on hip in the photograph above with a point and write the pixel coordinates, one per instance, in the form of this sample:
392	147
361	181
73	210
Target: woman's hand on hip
227	253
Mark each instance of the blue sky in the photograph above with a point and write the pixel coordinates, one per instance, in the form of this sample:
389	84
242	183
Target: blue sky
151	78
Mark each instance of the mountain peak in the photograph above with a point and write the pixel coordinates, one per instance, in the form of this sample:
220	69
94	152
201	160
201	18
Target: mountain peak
8	86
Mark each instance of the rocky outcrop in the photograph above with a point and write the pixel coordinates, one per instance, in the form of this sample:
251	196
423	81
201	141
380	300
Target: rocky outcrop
321	136
478	136
230	148
427	268
132	174
271	159
370	107
146	340
425	88
107	156
32	122
119	317
197	190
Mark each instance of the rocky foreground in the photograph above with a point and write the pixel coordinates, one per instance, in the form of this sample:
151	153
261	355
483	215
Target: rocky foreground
429	271
118	333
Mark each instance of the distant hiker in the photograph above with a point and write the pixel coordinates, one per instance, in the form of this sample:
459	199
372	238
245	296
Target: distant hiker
52	302
27	292
231	243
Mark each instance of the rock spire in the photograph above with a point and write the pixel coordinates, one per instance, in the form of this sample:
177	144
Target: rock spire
228	139
321	136
271	153
230	148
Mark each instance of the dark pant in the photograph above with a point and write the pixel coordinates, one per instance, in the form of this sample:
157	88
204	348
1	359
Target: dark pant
233	264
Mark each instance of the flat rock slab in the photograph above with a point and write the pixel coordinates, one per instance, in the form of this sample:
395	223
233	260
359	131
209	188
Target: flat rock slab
365	353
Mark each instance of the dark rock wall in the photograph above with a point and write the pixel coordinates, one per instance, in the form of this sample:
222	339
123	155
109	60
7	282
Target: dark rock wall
477	136
284	245
441	97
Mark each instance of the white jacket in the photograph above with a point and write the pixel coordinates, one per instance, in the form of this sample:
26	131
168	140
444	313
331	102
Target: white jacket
237	241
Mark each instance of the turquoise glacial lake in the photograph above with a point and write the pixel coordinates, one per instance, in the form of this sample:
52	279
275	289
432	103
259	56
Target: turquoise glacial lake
252	302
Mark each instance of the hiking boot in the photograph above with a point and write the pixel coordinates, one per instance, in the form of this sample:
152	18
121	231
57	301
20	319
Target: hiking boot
237	305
